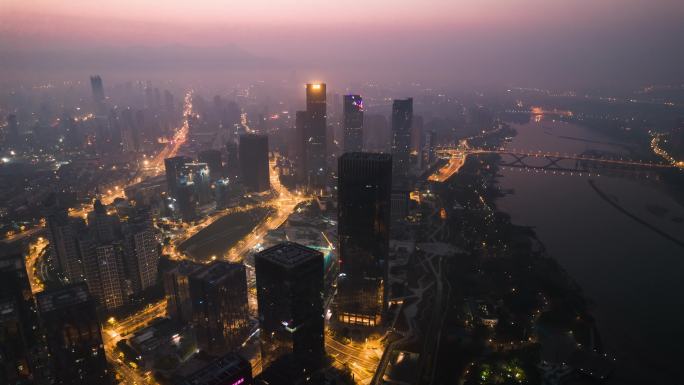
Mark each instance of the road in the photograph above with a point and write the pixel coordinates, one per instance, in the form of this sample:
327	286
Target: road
284	202
150	168
36	249
114	331
362	360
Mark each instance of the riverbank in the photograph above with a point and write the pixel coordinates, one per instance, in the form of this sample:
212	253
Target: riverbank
536	312
631	276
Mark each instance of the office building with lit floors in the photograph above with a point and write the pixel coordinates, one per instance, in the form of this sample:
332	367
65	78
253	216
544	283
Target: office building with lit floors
353	123
213	159
220	311
289	280
364	214
172	168
402	122
73	336
254	171
315	134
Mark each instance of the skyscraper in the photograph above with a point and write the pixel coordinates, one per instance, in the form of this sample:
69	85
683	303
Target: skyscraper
402	121
353	123
19	338
316	156
254	162
173	168
97	88
73	336
290	296
364	206
197	175
232	161
62	233
177	290
102	226
213	159
104	272
142	253
219	306
299	145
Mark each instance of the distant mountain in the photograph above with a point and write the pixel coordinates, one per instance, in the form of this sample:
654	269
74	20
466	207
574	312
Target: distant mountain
173	57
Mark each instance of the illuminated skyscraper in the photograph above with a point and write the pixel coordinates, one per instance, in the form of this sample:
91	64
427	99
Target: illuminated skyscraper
364	206
315	144
353	123
197	175
73	336
173	168
402	121
289	280
213	159
104	272
254	162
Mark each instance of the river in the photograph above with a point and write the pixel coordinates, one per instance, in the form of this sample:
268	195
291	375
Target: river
632	276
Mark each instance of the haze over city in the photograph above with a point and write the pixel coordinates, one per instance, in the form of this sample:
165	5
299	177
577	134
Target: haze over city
407	192
524	42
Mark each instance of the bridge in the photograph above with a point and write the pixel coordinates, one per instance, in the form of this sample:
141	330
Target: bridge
547	161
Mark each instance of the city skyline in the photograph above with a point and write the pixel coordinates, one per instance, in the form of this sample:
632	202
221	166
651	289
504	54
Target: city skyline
313	193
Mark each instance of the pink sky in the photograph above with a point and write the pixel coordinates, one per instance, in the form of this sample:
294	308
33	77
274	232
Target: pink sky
530	41
220	21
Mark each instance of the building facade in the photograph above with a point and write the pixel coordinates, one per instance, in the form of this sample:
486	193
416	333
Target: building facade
364	215
290	296
315	143
353	123
402	122
254	165
73	336
219	306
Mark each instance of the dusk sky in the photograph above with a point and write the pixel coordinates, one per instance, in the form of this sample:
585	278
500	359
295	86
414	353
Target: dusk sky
474	38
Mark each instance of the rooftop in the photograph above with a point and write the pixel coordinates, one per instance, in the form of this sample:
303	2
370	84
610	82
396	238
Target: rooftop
63	297
228	367
289	254
378	156
218	271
